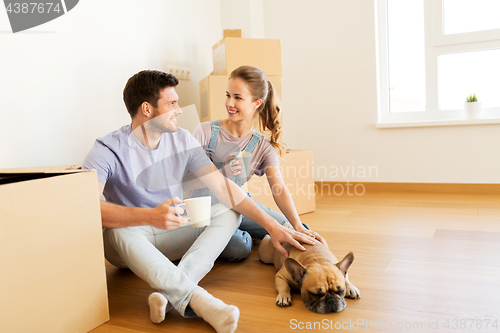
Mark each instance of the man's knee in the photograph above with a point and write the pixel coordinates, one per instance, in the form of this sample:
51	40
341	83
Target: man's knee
239	246
114	235
229	219
110	234
110	237
126	233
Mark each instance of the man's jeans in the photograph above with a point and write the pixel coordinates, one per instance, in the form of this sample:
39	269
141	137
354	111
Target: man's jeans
149	253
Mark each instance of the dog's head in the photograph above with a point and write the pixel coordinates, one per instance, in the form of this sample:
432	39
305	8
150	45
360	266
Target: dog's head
322	287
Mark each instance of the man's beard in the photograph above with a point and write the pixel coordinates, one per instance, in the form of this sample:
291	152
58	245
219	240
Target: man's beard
161	123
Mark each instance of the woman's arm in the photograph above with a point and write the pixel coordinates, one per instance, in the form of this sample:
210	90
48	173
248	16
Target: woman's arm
282	195
233	196
190	182
284	200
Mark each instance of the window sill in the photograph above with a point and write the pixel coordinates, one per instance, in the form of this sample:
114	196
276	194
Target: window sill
434	123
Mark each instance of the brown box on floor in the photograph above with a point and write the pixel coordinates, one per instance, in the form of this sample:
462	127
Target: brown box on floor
297	171
53	273
231	53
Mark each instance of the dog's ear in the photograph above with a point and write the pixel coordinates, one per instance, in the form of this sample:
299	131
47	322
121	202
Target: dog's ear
344	264
295	269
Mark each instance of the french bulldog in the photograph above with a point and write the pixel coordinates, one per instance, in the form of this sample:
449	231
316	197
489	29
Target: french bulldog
322	279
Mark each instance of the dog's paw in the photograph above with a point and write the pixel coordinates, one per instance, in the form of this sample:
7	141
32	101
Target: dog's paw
352	292
284	300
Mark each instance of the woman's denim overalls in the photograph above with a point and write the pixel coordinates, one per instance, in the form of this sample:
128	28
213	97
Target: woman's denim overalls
210	150
240	244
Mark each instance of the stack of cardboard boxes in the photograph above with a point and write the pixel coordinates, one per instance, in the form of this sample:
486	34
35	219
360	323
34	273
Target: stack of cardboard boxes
230	53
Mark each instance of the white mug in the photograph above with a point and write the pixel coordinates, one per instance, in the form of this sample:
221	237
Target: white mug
199	210
246	158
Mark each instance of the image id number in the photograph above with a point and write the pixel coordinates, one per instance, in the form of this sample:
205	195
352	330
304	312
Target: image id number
32	7
468	324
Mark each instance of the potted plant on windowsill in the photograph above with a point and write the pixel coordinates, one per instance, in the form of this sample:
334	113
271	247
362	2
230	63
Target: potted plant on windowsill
472	107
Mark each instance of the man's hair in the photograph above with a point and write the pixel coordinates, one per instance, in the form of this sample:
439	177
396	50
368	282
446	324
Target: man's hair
146	86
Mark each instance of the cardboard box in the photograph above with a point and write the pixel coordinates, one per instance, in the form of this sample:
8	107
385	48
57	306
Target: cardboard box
237	33
231	53
297	171
53	270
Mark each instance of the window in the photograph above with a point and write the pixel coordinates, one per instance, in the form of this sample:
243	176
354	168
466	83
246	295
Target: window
462	16
459	74
406	48
432	54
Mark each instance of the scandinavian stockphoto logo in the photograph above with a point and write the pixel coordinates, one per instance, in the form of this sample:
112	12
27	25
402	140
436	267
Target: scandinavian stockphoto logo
29	14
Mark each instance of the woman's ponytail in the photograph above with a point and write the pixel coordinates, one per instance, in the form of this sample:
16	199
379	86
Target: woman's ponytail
269	119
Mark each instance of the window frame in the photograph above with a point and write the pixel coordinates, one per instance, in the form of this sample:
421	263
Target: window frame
439	38
436	43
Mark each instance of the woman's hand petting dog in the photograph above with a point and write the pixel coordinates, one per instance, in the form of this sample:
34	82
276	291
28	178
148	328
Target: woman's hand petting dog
283	235
310	233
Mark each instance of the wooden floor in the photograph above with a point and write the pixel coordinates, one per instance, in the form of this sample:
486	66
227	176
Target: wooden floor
425	261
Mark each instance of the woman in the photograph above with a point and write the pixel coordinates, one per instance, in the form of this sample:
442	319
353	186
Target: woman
249	92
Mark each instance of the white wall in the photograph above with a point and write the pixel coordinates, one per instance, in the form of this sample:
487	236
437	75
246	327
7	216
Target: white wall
61	83
330	103
247	15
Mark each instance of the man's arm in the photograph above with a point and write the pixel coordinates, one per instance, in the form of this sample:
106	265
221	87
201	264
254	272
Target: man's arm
233	196
161	217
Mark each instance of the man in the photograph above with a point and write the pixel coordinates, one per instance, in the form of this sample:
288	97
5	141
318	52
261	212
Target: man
140	168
